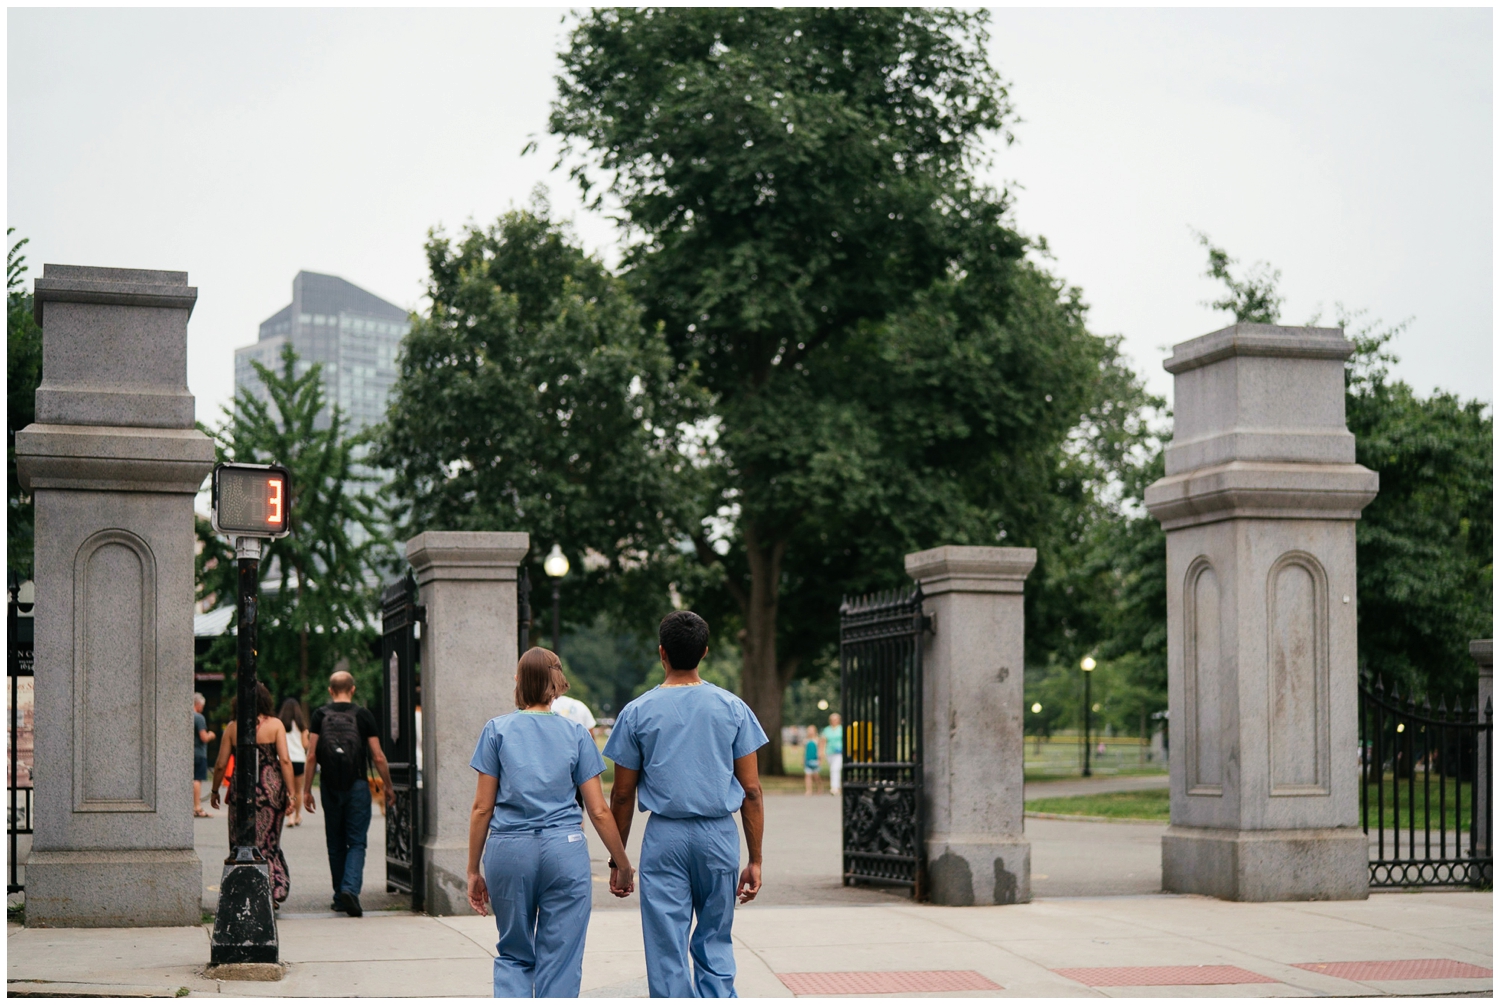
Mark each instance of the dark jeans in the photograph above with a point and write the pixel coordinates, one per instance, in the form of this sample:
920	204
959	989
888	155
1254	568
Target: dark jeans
346	825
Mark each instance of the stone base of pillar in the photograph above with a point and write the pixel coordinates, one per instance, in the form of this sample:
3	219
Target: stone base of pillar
447	877
1315	864
149	888
978	870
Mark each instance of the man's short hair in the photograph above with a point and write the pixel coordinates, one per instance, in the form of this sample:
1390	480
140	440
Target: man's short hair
684	636
341	682
198	698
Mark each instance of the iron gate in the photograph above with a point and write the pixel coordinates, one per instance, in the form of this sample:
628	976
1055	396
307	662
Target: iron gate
399	616
1419	775
20	665
880	662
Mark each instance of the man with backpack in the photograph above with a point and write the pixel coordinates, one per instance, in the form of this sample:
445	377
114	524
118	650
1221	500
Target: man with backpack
342	739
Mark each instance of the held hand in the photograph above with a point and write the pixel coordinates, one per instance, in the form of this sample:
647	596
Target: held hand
478	894
622	880
749	882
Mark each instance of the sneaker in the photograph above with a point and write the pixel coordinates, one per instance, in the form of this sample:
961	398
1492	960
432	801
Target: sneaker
351	905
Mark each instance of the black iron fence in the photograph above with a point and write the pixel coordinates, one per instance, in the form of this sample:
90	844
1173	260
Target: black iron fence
1421	801
400	617
20	667
880	655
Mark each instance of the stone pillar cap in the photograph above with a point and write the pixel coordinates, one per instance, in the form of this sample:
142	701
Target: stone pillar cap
1246	339
467	554
86	284
1482	651
957	568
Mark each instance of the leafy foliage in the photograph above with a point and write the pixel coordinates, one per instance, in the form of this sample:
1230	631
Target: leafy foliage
320	585
1254	298
23	372
888	371
1426	544
531	397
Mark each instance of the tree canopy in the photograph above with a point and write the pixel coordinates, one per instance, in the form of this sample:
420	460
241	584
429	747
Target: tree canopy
321	583
888	369
23	372
532	397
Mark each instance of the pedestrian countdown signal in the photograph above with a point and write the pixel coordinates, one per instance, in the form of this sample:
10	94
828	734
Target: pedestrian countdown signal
252	500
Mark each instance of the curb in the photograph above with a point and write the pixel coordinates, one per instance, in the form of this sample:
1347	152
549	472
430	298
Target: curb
1094	820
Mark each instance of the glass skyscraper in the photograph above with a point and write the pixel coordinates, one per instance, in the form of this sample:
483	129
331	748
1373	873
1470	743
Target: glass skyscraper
352	332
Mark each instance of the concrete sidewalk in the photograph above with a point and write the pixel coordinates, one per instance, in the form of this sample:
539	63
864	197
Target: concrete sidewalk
1061	947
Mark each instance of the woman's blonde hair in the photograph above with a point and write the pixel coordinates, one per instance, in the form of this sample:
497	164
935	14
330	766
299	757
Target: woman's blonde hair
539	678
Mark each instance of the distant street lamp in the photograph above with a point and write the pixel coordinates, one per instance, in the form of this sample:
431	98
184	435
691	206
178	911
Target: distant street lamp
1088	665
555	565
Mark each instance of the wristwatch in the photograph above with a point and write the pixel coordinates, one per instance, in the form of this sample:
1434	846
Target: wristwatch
612	864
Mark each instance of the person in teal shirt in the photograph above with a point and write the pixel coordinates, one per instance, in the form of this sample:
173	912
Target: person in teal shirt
833	746
810	779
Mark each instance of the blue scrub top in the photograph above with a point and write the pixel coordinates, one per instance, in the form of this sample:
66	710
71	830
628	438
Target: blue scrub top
540	759
684	742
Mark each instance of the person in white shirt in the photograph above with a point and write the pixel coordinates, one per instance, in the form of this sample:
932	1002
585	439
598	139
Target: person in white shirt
294	717
574	710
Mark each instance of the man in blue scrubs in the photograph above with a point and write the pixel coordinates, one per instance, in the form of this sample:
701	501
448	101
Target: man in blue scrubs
686	749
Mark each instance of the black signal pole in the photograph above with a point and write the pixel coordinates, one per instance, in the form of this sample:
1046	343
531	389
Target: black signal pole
245	925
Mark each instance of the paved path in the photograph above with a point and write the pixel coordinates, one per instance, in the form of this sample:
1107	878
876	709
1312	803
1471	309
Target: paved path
803	855
1035	949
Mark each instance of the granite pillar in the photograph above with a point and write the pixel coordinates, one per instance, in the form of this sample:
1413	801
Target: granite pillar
113	463
977	852
1483	652
467	581
1258	504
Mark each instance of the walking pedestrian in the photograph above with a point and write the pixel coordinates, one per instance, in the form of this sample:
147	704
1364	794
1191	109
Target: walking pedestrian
202	737
527	853
343	740
687	748
812	783
833	746
574	710
294	717
273	786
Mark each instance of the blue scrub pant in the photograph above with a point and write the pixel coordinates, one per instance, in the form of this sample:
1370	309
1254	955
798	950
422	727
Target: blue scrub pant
346	829
541	893
689	866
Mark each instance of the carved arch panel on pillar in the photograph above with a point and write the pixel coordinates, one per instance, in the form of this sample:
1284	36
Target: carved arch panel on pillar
1297	676
1203	679
114	676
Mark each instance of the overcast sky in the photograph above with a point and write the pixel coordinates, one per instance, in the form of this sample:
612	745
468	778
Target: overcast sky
1349	148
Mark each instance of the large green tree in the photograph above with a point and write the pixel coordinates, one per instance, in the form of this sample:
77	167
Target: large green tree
320	584
532	397
23	372
1425	545
888	369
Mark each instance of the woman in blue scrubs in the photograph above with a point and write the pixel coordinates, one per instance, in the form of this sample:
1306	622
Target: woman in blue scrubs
527	831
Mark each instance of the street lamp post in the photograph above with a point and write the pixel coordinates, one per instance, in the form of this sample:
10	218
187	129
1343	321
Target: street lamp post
556	566
1088	665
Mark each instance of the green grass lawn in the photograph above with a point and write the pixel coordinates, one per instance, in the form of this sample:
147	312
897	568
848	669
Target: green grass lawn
1150	804
1408	819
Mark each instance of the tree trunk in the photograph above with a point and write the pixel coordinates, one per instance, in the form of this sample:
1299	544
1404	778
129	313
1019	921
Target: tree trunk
302	667
760	682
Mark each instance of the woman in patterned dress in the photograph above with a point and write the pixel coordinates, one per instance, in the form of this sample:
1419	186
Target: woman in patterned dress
273	787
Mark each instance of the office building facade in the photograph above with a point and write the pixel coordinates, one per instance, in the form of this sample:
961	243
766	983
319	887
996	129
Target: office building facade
353	333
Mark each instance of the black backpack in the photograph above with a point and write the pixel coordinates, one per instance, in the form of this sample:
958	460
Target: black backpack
338	746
